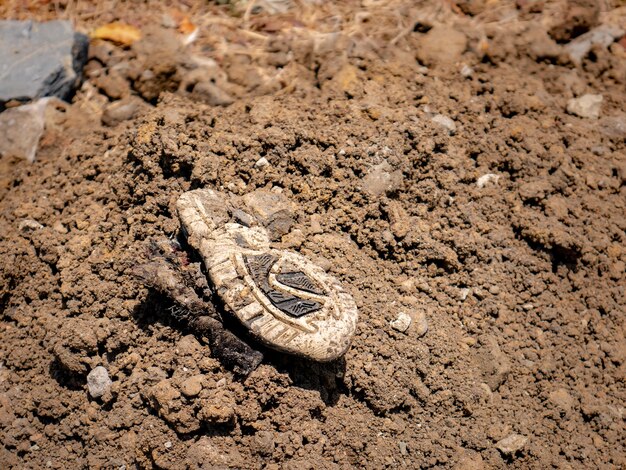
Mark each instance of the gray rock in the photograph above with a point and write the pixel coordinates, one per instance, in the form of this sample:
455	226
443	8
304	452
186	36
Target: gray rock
603	35
98	382
586	106
40	59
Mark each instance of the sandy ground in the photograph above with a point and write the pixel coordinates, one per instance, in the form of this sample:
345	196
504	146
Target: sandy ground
435	170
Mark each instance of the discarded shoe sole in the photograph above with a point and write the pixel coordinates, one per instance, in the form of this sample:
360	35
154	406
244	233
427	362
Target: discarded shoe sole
286	301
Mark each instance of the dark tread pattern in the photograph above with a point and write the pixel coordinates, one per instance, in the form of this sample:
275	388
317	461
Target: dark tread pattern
259	267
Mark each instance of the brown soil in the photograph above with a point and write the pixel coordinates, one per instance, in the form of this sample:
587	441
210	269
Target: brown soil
521	279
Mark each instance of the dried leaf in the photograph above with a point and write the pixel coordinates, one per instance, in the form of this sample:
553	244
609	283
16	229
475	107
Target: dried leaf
184	23
186	26
120	33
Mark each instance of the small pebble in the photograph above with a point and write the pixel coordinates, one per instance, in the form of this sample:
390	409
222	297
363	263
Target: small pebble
484	179
98	382
466	71
446	122
29	225
261	163
402	447
401	323
168	445
586	106
464	293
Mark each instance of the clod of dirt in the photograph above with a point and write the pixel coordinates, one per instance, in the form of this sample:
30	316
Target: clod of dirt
493	362
192	386
76	344
579	17
535	190
166	400
113	85
205	455
562	399
274	211
218	408
420	322
441	45
159	60
541	46
614	126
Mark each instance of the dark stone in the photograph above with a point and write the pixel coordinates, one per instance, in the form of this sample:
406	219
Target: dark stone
40	59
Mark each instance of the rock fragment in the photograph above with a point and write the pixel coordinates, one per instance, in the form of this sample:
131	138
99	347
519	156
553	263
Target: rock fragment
586	106
445	122
21	128
120	111
604	35
29	225
98	382
40	59
381	179
484	179
261	163
401	323
511	444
